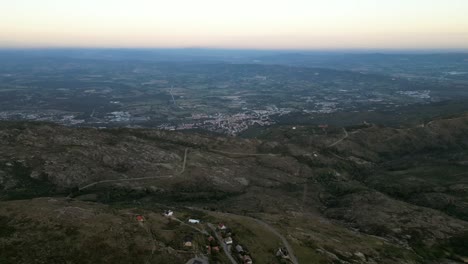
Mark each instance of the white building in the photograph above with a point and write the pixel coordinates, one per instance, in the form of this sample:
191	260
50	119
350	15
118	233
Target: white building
194	221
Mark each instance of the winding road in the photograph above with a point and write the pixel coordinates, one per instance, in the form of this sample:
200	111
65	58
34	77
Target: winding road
269	228
184	162
221	242
283	239
123	180
341	139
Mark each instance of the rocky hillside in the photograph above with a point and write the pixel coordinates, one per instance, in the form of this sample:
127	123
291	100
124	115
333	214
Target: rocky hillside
362	194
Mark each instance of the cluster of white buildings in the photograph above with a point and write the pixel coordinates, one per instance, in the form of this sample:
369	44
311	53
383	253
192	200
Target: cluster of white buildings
424	94
230	124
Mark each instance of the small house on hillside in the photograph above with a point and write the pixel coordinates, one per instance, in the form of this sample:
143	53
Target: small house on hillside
212	242
246	259
239	249
228	241
168	213
188	241
194	221
226	232
212	249
282	253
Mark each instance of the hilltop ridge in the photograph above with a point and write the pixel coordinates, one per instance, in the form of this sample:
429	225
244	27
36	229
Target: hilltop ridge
360	194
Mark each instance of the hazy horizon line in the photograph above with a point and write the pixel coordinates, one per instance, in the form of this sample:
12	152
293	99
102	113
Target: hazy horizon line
332	50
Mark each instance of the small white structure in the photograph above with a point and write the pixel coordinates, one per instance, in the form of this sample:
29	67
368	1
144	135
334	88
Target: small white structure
194	221
282	253
228	241
168	213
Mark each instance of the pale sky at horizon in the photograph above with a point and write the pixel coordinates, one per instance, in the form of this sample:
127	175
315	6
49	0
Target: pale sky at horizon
259	24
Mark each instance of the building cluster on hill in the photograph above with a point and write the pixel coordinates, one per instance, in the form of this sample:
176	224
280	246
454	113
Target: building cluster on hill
230	124
233	246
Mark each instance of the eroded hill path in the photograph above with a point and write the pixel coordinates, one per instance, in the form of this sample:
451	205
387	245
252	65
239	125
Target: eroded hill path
341	139
184	163
124	180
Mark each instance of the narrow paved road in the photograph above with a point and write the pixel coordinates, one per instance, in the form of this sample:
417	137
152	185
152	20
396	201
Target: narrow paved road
269	228
341	139
184	162
201	260
283	239
221	242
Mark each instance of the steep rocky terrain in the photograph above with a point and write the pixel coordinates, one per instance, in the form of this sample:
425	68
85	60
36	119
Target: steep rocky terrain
341	195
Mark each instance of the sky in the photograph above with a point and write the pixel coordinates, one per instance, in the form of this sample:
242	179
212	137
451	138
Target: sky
239	24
